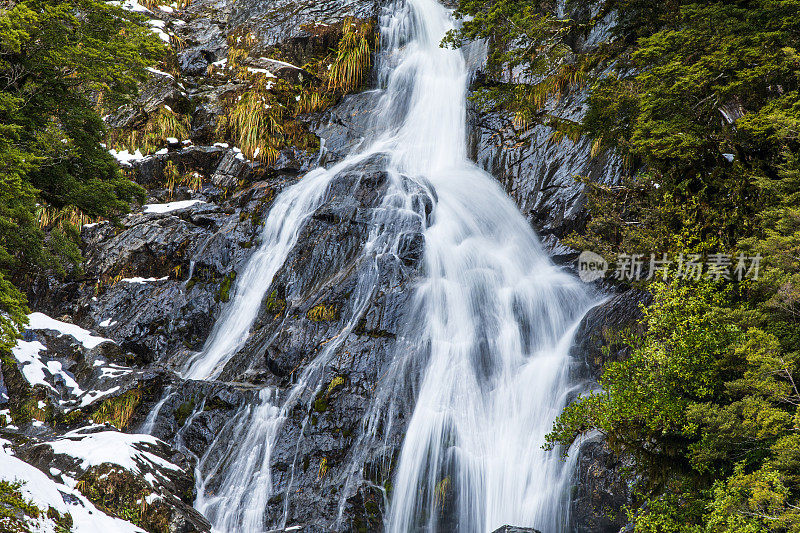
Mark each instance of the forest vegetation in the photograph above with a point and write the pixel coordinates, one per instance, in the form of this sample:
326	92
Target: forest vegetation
62	65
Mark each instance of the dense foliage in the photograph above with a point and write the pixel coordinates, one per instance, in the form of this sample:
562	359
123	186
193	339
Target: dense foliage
702	100
61	64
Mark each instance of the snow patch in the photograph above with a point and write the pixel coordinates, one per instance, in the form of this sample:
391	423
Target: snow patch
160	72
46	493
94	395
27	354
170	206
142	280
85	337
94	449
124	157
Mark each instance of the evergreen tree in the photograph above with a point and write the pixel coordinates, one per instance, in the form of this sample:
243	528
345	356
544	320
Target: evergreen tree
62	63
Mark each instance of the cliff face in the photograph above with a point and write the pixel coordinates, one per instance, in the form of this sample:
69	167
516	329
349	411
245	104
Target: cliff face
154	286
538	172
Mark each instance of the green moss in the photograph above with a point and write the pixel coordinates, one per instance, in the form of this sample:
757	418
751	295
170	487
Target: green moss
71	418
63	522
321	404
184	411
14	509
372	508
323	313
216	403
336	382
274	304
225	287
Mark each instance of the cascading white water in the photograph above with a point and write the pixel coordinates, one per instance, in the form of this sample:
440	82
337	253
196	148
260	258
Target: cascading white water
495	327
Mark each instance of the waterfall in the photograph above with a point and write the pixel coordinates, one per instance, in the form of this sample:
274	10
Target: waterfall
492	323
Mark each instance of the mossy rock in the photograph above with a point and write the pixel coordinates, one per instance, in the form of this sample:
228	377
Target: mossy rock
119	493
323	313
224	293
119	411
184	411
275	304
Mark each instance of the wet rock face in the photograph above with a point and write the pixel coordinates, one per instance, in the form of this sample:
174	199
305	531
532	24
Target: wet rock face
538	173
601	490
599	339
316	298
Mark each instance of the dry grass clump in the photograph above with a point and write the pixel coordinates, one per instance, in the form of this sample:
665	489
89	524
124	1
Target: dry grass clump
353	59
49	217
152	136
118	411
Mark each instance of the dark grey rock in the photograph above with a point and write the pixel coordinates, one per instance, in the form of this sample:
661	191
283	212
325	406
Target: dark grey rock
598	339
149	172
539	174
601	490
280	69
161	89
285	20
195	61
344	126
536	172
513	529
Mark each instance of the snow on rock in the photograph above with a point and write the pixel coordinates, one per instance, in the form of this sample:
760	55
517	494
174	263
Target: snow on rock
38	372
130	5
170	206
46	493
124	157
158	29
85	337
94	395
31	365
159	72
142	280
127	450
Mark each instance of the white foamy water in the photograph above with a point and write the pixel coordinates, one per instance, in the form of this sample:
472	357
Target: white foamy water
492	325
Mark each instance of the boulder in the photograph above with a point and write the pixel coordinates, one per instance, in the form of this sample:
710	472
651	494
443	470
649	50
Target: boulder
599	338
601	490
123	475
